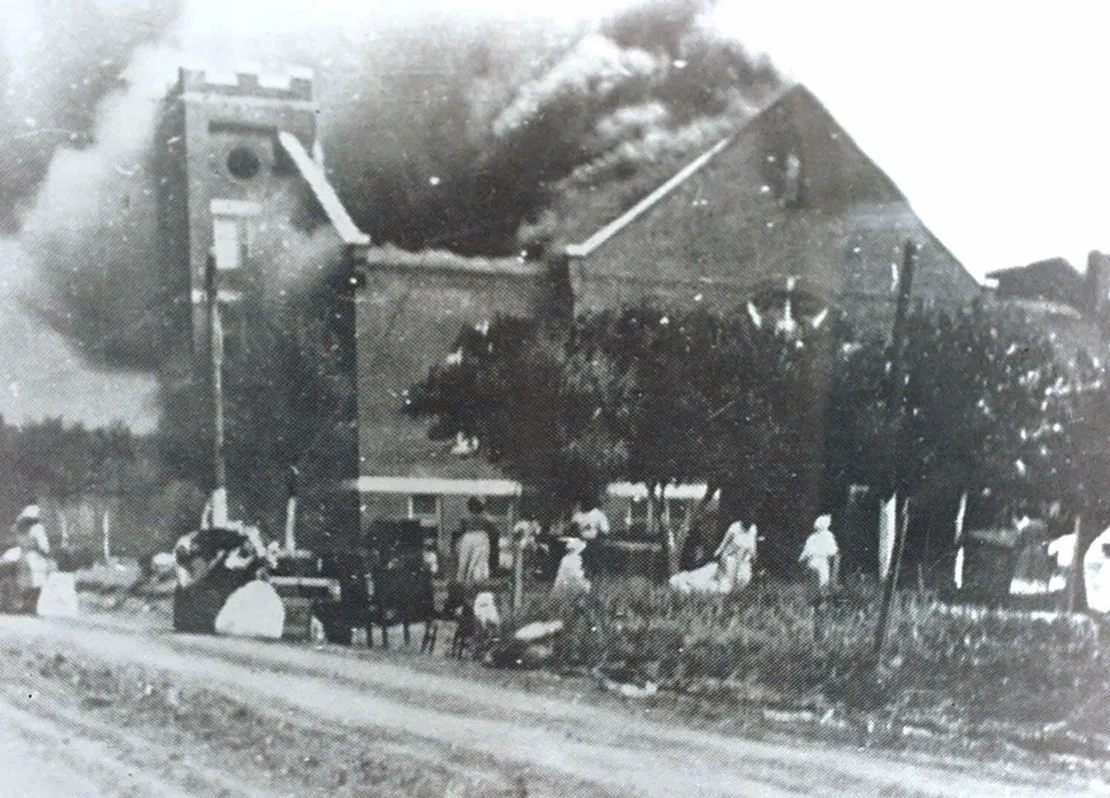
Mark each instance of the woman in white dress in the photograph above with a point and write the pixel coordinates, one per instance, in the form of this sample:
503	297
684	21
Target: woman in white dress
732	566
736	554
571	577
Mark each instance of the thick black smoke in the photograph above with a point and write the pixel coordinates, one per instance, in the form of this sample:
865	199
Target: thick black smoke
442	129
471	158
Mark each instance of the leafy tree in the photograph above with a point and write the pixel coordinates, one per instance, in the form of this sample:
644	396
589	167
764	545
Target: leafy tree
982	413
538	407
641	393
289	400
781	422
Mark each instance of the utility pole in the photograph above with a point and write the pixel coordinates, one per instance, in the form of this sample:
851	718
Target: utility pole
216	352
897	409
1077	414
291	511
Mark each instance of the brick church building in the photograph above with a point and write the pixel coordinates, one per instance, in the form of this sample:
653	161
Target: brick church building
786	198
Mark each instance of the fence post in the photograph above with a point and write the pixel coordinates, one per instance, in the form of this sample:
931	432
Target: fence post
518	573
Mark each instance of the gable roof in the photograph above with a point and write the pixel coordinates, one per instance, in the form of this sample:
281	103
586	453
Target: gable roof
614	227
794	100
323	191
641	207
1052	280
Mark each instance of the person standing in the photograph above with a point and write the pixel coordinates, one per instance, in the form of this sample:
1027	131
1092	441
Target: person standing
571	576
474	550
736	554
35	564
821	554
591	523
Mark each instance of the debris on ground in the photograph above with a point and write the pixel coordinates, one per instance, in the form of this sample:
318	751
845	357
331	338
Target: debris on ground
518	654
538	630
624	681
253	610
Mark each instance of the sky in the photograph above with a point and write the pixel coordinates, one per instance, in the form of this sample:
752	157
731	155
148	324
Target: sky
992	119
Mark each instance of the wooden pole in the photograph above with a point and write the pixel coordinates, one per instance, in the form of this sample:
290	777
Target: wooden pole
1074	568
216	351
897	409
291	512
518	573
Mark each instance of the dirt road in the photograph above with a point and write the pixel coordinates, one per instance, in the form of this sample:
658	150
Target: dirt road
96	707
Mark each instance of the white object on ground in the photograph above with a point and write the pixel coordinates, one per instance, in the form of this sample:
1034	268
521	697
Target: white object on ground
485	611
707	579
1096	573
538	630
58	598
254	610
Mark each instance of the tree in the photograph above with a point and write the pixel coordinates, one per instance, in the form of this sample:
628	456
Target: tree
647	394
984	417
781	419
538	407
289	399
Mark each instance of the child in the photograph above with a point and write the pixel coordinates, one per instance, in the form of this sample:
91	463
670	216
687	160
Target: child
821	553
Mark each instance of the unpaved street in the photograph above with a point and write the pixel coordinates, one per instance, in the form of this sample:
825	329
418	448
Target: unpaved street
100	707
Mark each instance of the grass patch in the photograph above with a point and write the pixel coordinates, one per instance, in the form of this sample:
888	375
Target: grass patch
771	643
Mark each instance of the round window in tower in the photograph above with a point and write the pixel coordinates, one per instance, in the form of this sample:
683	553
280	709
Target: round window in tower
243	163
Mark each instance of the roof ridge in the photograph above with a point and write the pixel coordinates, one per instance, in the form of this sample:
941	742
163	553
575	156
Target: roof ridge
586	247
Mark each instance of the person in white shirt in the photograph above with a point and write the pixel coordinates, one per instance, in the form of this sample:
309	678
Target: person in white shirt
591	523
1096	573
571	577
821	554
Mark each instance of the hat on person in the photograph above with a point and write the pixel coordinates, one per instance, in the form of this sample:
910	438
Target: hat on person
32	512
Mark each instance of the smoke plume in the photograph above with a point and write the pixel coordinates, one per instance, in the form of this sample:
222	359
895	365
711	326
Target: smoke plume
459	129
